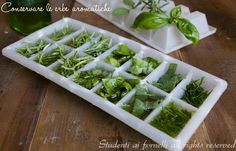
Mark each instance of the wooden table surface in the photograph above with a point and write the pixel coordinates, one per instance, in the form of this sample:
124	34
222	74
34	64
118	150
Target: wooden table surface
38	115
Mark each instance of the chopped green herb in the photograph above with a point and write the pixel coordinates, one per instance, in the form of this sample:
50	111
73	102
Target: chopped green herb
100	47
195	94
169	80
52	57
120	55
80	39
142	67
70	65
172	119
115	88
90	78
31	48
143	102
59	34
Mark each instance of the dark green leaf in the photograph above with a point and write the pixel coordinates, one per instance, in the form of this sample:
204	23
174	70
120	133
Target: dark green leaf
150	20
188	29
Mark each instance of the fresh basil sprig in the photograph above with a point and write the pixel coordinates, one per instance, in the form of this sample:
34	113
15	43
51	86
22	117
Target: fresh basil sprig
153	20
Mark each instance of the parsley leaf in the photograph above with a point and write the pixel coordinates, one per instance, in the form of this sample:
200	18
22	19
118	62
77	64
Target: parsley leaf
143	67
143	103
90	78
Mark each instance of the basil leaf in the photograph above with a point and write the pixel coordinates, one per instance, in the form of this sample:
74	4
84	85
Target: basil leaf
120	11
129	3
188	29
176	12
150	20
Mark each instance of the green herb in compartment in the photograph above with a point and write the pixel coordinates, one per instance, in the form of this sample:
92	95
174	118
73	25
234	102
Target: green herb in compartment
31	48
80	39
119	56
142	67
59	34
195	94
143	103
48	59
90	78
70	65
172	119
169	80
116	88
100	47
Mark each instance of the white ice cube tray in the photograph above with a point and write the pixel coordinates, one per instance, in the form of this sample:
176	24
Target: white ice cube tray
213	83
166	39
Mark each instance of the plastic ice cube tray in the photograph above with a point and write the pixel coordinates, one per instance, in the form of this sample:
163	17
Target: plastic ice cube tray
213	83
166	39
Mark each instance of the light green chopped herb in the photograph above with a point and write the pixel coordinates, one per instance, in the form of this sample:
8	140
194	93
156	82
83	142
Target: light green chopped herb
169	80
59	34
143	67
143	103
120	55
172	119
100	47
195	94
116	88
90	78
31	48
52	57
70	65
80	39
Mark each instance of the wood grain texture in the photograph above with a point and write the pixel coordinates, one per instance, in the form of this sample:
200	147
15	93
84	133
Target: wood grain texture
38	115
